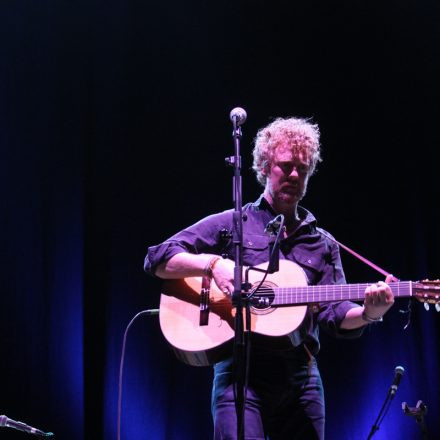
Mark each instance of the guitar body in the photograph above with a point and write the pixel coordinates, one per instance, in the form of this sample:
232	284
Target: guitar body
198	320
203	345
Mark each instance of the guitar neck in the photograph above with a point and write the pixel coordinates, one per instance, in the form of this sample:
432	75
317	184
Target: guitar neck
333	292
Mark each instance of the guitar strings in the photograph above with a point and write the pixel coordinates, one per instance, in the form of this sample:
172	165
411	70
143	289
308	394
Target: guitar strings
307	293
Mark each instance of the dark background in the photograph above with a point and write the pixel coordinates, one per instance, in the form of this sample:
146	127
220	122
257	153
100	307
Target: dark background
114	125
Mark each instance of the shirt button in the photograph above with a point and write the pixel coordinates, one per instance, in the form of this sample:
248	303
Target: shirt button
250	243
309	261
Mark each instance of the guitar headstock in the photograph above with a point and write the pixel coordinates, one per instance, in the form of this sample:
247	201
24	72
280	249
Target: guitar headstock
427	292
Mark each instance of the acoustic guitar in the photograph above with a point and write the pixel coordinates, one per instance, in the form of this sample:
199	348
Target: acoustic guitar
197	319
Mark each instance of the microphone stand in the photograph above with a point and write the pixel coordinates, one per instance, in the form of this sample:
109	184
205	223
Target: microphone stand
398	372
383	411
238	299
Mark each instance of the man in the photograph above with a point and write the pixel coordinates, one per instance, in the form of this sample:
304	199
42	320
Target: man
285	395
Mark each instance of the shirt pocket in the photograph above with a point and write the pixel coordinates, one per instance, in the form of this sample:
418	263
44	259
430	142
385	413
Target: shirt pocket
313	266
255	249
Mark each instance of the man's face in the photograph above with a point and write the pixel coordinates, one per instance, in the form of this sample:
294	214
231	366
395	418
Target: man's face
287	178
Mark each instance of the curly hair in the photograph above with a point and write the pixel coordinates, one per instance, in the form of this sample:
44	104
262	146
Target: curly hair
298	134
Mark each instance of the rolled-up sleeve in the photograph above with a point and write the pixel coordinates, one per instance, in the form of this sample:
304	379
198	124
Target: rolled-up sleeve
201	237
331	316
160	253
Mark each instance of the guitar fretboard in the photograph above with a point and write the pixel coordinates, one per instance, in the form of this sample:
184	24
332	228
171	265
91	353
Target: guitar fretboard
332	292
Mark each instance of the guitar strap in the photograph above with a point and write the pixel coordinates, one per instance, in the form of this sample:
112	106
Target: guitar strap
311	358
390	277
360	257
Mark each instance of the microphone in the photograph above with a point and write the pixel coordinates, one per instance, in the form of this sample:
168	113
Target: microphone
9	423
238	115
398	373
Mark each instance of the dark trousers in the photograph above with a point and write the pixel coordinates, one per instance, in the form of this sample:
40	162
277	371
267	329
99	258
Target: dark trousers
285	400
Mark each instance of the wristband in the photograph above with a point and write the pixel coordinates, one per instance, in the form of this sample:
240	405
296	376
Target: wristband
369	319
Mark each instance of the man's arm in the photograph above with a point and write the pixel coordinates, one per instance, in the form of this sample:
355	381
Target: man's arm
185	264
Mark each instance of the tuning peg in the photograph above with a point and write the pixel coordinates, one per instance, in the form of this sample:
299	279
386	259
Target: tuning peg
437	307
426	305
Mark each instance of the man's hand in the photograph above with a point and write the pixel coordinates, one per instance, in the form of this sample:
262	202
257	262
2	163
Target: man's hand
223	275
378	300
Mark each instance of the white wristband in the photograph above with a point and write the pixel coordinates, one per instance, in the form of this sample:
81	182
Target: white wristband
369	319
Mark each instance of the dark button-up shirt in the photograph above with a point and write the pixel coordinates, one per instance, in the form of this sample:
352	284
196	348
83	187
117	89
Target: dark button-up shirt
308	246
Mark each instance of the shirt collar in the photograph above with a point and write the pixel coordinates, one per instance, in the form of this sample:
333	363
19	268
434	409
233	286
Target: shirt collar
304	214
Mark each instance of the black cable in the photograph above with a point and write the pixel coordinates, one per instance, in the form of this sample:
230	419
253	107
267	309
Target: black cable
275	246
121	365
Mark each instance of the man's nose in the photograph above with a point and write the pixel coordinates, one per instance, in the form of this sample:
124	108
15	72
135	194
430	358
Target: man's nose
294	172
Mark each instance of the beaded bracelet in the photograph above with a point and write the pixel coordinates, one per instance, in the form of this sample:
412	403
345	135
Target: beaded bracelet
210	265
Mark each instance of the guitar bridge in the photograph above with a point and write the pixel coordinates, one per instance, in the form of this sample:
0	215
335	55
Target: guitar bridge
204	301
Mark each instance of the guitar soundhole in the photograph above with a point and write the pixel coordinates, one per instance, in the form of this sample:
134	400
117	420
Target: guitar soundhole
263	298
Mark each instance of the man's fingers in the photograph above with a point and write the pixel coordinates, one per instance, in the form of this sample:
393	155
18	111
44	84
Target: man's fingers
378	294
391	279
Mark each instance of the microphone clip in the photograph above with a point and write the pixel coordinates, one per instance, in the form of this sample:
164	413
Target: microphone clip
274	229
